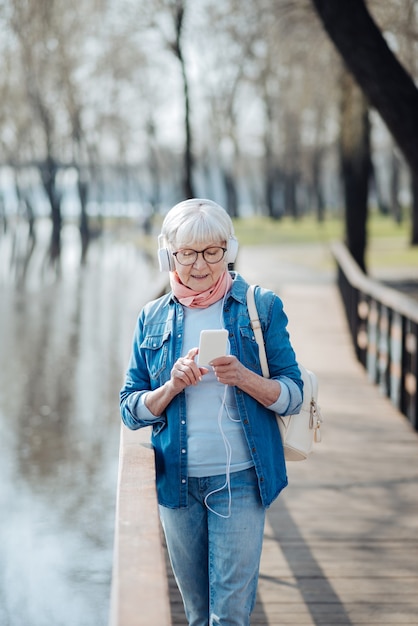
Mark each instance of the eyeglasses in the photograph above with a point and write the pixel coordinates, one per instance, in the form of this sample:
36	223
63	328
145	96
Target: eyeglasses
214	254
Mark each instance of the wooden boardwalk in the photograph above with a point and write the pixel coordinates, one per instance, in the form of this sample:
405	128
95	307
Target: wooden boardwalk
341	542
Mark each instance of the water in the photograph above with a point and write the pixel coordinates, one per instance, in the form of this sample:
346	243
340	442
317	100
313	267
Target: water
64	345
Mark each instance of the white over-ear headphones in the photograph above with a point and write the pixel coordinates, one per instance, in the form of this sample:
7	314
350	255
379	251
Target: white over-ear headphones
166	259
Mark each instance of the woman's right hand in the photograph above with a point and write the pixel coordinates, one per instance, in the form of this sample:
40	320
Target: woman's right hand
186	372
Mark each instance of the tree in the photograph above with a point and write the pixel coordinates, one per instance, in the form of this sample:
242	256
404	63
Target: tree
298	108
74	108
387	85
355	164
234	33
32	28
177	47
168	18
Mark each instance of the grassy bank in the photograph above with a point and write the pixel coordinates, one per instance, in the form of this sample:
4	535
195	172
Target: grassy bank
388	242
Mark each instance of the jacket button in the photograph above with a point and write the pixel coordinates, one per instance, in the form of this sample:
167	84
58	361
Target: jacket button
245	421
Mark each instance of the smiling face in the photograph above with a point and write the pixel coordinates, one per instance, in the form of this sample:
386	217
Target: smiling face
198	224
201	275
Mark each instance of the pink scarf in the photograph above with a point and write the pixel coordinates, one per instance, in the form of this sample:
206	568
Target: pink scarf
200	299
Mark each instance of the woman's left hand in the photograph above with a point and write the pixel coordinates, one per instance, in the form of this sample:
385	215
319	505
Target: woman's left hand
229	370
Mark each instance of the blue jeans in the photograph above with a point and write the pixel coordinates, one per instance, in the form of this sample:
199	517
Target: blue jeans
216	558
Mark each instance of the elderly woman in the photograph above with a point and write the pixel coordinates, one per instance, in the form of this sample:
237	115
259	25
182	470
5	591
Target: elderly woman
218	451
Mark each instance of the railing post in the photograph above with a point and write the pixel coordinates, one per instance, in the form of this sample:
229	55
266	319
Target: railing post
410	364
396	334
372	345
383	350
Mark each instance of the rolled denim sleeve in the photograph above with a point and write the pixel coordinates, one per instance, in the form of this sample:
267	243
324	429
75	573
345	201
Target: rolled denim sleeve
136	413
282	402
290	400
137	384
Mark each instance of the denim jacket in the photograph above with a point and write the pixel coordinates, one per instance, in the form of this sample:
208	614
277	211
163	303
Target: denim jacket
157	345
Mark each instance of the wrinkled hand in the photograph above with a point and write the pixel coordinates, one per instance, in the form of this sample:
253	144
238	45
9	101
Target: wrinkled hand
228	370
186	372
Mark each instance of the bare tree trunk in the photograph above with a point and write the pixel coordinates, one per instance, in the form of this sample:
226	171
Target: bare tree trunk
26	203
394	187
292	164
270	190
231	194
84	223
154	166
3	218
291	184
385	82
81	166
188	154
49	170
376	184
414	232
318	196
268	157
355	165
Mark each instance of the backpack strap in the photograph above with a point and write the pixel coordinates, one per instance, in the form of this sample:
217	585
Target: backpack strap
258	333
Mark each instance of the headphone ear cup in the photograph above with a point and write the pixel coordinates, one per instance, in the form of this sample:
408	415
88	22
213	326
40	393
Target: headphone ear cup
231	250
165	260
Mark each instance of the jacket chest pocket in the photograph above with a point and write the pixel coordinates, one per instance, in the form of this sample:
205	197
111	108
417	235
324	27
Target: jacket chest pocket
155	348
249	346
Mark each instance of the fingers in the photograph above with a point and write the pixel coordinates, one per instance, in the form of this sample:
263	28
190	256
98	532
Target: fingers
186	372
223	361
227	369
192	353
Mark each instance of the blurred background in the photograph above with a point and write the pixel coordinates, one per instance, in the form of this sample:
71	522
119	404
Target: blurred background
300	118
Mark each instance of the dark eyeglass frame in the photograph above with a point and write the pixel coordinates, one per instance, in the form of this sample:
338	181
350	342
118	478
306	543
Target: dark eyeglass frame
202	252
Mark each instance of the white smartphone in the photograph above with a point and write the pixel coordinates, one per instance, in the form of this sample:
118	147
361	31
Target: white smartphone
213	343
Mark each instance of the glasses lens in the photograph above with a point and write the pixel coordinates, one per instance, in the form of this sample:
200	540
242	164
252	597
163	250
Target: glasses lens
211	255
186	257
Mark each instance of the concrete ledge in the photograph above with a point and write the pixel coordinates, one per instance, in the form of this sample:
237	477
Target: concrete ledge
139	582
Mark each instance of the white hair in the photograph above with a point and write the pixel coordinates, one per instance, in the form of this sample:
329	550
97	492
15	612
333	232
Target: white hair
196	221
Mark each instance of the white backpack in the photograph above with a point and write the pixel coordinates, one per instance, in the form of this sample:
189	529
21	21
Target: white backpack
301	430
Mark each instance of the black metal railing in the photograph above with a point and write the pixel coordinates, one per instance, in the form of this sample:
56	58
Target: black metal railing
383	324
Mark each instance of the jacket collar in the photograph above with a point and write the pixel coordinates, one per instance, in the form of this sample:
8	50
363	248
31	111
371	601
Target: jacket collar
239	288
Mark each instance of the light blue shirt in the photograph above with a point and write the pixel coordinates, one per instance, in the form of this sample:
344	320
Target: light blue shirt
215	437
